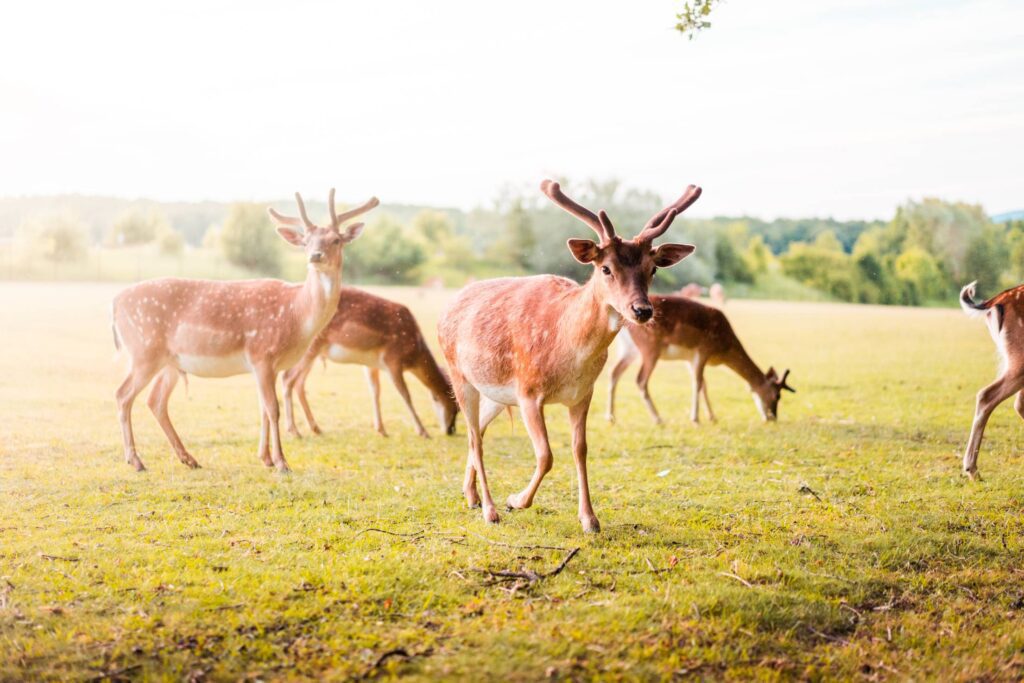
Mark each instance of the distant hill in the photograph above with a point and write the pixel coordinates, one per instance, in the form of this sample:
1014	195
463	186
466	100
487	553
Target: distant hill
191	219
1008	216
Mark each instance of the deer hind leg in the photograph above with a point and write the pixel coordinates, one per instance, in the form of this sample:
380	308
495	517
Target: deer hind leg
707	401
159	396
373	380
1018	403
613	381
578	420
264	448
469	398
395	370
488	411
266	379
642	379
533	416
138	377
988	399
697	370
300	388
288	382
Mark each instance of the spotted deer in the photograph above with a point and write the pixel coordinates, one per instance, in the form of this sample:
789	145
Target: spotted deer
684	329
171	327
1004	317
532	341
378	334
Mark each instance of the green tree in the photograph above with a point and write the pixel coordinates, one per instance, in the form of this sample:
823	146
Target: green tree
58	238
986	258
832	272
827	240
731	266
520	241
757	256
919	270
249	240
385	253
137	227
170	242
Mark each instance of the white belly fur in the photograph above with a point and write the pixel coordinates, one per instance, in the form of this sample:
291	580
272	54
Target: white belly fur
673	352
214	366
344	354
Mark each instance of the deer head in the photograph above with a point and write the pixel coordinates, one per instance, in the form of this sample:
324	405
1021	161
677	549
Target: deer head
322	245
767	395
624	268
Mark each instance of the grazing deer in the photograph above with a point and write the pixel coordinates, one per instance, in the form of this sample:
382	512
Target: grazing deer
716	292
683	329
172	326
691	291
1004	317
379	334
530	341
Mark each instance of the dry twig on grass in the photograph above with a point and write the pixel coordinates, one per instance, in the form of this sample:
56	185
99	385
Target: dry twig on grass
528	575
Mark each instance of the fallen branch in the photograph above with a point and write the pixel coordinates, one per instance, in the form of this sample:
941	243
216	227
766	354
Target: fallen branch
523	547
738	578
55	558
390	533
528	575
391	654
804	488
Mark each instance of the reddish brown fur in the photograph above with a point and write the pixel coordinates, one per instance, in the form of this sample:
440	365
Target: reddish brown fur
387	332
170	327
698	333
544	339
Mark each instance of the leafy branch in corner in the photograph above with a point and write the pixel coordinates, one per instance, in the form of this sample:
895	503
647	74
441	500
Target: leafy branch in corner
694	17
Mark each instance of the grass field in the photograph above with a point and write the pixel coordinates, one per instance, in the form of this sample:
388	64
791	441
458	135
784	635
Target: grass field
841	542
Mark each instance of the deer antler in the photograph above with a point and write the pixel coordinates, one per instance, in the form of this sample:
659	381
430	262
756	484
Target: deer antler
289	220
601	225
338	219
660	221
782	382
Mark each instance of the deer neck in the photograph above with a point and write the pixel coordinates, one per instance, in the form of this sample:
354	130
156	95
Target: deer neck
590	323
318	297
739	362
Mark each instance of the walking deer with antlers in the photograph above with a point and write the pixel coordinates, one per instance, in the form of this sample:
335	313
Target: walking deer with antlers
378	334
531	341
171	327
684	329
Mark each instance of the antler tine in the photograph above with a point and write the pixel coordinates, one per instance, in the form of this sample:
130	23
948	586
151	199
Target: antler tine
554	192
330	208
302	212
352	213
660	221
606	223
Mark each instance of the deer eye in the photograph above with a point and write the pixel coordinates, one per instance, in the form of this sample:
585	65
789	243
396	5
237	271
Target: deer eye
606	270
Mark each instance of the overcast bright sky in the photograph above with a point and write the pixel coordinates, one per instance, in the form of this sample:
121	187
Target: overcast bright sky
784	107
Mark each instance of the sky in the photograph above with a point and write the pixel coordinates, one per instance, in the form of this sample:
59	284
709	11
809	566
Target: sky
781	108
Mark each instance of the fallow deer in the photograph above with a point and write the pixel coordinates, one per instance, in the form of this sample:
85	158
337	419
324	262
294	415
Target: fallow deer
378	334
531	341
684	329
171	327
1004	317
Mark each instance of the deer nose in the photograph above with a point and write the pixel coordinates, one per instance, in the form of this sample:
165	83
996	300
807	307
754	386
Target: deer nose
316	257
642	312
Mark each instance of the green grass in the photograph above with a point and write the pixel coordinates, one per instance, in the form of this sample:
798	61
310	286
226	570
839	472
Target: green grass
714	559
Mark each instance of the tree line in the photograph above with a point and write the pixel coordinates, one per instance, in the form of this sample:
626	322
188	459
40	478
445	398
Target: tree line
923	255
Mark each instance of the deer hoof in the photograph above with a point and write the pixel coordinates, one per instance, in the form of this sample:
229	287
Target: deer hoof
590	525
514	502
973	475
316	430
295	432
190	462
491	515
610	418
283	468
136	463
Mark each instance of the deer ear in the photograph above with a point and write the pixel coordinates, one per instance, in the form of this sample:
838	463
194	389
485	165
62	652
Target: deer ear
584	251
351	232
771	374
670	254
292	236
